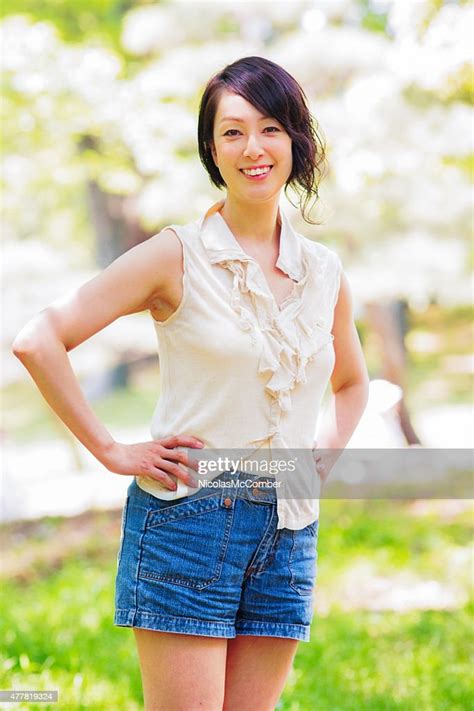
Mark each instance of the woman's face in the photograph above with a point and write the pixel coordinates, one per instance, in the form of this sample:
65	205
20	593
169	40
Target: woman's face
245	139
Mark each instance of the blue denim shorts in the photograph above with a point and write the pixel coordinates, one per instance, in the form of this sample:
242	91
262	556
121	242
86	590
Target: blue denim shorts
215	564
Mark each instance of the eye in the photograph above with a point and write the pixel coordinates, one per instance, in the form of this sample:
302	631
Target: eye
234	130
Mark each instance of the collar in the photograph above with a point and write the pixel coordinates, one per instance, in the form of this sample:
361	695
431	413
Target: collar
222	246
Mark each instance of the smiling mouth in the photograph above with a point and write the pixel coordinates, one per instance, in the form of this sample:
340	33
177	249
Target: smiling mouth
256	171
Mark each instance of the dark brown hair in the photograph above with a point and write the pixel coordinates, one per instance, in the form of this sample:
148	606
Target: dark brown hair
276	94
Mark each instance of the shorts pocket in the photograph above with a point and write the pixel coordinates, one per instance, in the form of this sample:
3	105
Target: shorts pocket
303	559
186	543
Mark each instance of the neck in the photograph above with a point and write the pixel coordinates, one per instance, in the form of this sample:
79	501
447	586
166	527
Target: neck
253	222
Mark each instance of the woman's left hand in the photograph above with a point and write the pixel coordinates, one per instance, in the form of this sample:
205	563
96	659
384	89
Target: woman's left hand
320	465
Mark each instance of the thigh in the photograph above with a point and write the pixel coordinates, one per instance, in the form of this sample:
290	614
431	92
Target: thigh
181	672
256	670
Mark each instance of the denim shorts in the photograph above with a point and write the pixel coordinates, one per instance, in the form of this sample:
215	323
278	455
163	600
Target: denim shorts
214	563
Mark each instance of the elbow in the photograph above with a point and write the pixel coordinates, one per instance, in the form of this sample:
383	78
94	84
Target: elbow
359	381
359	387
27	341
22	347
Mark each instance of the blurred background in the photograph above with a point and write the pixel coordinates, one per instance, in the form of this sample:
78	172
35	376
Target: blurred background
99	152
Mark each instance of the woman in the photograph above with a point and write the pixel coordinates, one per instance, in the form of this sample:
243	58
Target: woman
253	320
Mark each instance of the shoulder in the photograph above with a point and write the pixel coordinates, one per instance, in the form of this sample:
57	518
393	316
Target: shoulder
172	237
142	273
327	274
168	244
156	262
163	255
150	260
323	255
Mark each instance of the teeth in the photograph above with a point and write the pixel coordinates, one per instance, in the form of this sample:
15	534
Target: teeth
257	171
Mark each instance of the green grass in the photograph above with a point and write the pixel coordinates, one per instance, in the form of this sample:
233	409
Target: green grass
379	525
59	635
57	623
384	662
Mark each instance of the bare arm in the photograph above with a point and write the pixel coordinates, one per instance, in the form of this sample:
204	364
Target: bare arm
129	285
349	381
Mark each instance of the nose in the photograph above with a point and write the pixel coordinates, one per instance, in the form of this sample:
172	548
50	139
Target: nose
253	149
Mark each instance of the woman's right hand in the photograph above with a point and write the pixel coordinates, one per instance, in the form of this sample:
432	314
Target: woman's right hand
157	459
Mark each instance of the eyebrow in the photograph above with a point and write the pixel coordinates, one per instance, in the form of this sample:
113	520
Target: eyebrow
239	120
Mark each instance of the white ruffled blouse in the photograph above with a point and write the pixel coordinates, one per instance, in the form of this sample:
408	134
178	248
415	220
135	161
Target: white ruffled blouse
238	370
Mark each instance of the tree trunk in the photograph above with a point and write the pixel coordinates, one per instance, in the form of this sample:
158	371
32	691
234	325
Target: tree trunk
388	322
114	217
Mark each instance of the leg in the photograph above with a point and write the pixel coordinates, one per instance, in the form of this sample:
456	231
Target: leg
181	672
257	669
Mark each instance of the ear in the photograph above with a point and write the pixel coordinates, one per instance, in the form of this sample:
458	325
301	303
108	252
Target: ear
213	152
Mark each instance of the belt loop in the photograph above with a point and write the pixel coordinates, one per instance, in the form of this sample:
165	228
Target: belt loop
229	492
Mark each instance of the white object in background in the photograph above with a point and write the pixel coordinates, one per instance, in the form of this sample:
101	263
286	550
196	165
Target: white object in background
379	426
39	479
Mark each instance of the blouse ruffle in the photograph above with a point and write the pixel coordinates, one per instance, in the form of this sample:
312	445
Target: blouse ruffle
292	334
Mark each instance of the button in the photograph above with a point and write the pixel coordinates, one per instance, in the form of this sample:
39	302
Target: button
228	502
257	491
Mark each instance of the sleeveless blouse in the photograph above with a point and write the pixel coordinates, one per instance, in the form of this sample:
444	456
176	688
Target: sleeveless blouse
237	369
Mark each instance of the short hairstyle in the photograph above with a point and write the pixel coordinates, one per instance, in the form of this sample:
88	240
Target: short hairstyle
276	94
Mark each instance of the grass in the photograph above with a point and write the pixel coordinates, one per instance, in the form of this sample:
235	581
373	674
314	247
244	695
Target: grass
58	633
384	662
58	575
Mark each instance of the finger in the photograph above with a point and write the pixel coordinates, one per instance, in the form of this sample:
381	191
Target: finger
163	478
178	472
182	457
181	441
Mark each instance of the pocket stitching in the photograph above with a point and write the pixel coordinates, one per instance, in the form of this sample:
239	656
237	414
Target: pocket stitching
180	511
122	529
187	582
302	592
